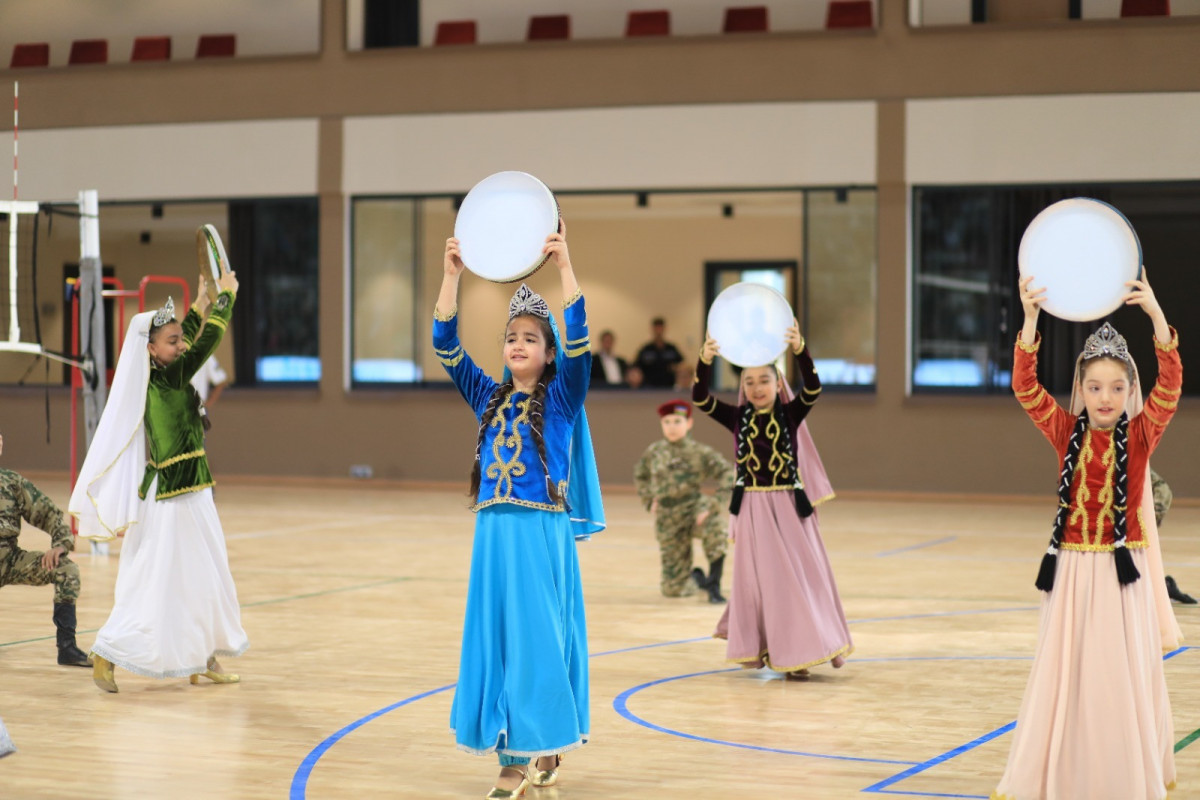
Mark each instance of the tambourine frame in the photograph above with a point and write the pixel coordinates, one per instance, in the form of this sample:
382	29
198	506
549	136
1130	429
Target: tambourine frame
1111	298
537	264
213	262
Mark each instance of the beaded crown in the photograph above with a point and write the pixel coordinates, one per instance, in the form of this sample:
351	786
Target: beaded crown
527	301
1106	342
165	314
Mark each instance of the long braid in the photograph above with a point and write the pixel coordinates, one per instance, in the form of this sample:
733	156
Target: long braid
804	506
489	414
742	437
537	423
1045	578
1126	571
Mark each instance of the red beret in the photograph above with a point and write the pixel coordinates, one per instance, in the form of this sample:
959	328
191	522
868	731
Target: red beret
681	407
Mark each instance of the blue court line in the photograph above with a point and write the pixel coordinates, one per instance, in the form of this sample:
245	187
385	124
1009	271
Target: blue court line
882	786
621	705
300	779
920	546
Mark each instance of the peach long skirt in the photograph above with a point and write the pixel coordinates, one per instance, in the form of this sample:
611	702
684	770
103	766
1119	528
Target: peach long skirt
1095	721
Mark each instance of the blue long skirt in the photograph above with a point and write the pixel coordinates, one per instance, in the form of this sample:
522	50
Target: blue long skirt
523	673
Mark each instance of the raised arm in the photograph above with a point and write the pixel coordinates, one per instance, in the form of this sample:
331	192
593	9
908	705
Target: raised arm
569	388
473	383
1163	399
809	387
722	412
211	331
1051	419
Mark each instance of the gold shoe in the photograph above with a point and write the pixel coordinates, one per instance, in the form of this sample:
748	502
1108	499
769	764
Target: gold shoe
214	674
102	673
545	777
505	794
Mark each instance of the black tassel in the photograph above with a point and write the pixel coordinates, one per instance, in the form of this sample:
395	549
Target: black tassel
803	507
735	502
1126	572
1045	578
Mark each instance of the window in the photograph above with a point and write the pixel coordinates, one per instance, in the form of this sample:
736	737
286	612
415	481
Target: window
273	248
383	292
966	307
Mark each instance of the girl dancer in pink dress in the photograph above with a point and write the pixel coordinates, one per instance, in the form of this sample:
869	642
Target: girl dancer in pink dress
784	611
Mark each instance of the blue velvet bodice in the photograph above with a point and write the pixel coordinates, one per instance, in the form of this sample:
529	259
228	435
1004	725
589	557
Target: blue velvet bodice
510	470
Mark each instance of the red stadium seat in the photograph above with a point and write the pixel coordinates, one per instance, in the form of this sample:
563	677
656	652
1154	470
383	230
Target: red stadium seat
88	51
648	23
151	48
746	19
849	14
30	54
555	26
456	32
1145	8
216	45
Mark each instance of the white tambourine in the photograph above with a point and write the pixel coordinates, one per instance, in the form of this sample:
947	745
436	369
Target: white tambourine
211	254
502	226
750	322
1082	251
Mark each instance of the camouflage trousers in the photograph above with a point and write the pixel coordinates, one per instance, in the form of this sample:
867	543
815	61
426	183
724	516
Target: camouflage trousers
675	527
24	568
1162	497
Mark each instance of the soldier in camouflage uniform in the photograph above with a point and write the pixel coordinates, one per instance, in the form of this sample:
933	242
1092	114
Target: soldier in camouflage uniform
668	478
20	499
1162	502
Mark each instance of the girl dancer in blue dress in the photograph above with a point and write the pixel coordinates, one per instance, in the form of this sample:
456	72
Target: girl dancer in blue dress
523	675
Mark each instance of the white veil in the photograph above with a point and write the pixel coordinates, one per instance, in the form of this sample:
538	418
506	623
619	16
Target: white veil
1168	627
105	497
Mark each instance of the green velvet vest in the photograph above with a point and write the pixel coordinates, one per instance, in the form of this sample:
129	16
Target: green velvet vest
173	426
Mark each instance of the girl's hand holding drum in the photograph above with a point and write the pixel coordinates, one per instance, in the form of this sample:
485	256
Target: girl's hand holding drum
452	264
710	350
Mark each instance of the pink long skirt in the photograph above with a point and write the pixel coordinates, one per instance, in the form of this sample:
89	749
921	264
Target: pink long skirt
1096	720
784	611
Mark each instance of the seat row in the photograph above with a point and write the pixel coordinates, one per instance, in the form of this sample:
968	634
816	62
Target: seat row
145	48
741	19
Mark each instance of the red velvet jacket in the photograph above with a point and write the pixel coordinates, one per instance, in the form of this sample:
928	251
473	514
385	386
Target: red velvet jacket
1090	519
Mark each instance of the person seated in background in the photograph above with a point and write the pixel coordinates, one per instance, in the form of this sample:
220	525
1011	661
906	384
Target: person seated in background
634	378
608	368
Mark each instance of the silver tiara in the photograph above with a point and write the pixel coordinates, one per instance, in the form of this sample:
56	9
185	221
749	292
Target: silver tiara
1106	342
527	301
165	314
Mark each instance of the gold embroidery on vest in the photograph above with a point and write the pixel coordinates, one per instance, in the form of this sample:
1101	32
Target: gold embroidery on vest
1082	493
504	471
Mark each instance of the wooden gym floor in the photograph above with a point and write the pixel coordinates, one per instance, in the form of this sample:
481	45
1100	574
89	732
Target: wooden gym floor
353	599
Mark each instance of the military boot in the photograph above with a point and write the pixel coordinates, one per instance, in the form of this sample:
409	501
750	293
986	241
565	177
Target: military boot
713	585
68	654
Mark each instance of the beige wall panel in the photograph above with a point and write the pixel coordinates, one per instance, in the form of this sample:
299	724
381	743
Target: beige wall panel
163	162
755	144
1106	137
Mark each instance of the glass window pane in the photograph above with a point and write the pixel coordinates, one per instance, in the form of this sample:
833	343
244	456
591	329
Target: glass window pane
384	288
840	284
273	246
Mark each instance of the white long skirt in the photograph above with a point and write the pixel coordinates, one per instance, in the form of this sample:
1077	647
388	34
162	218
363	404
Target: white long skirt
175	603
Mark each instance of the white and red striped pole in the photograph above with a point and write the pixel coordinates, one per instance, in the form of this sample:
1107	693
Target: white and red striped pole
16	97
